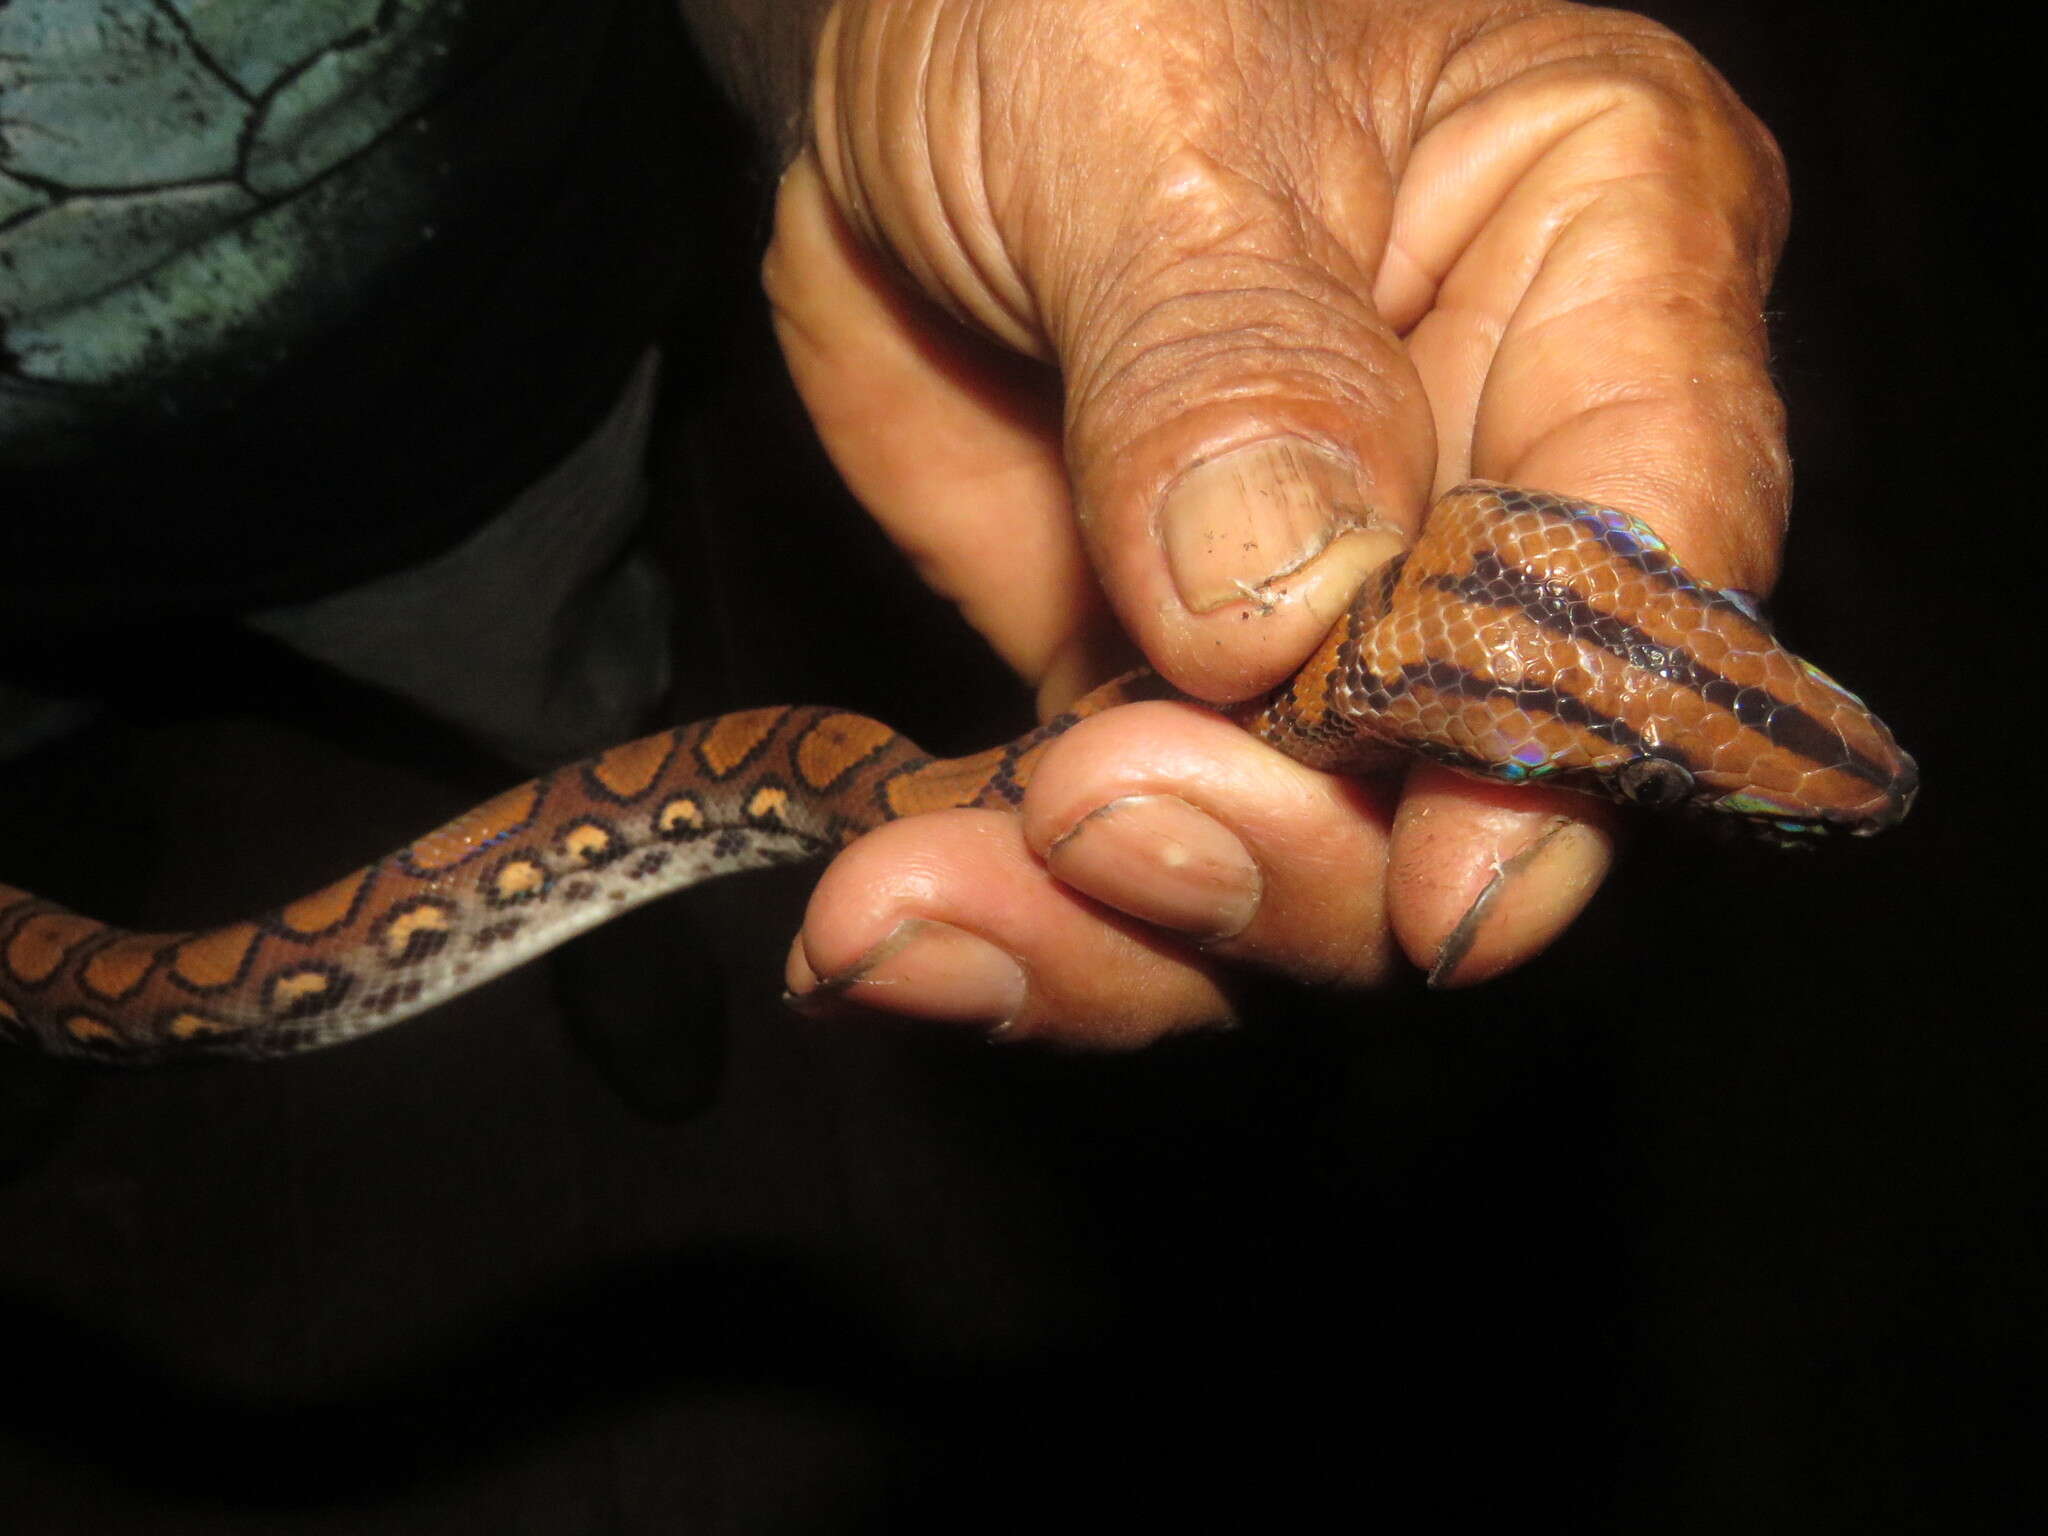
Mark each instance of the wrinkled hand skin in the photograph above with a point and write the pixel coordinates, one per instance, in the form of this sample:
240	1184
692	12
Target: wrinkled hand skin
1039	262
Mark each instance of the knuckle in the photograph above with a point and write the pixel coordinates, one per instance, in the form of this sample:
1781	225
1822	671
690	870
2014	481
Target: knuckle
1238	330
1654	88
1361	957
1372	962
1168	998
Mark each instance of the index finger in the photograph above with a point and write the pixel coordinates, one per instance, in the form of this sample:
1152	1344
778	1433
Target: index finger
1578	260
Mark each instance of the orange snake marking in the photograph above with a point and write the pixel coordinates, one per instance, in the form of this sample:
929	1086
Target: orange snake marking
117	970
210	962
38	948
191	1026
624	773
1525	638
327	909
467	835
730	744
837	747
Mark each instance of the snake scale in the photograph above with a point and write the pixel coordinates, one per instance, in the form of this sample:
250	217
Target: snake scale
1525	637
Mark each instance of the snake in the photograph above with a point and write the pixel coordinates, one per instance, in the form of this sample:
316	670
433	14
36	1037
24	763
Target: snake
1523	637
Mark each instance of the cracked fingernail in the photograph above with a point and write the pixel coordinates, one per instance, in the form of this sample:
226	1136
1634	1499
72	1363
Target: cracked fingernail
1531	896
922	970
1234	524
1158	858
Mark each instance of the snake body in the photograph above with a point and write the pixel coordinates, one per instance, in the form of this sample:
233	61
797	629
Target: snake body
1525	638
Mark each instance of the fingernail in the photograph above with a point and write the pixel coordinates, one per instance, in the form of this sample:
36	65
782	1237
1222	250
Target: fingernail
1159	858
1235	524
922	970
1531	896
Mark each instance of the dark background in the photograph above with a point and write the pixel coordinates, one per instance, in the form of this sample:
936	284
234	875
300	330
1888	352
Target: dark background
1726	1216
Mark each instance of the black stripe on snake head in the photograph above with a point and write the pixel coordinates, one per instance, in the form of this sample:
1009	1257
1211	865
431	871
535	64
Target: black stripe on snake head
1563	610
1633	543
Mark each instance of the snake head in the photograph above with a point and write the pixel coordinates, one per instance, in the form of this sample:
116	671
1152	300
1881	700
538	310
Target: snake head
1530	639
1804	758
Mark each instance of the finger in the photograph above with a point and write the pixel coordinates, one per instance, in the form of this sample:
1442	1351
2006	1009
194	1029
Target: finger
1580	253
951	917
949	441
1247	440
1174	815
1482	877
1580	256
1244	438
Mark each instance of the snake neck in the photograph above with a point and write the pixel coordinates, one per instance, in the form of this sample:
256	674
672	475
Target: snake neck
1316	716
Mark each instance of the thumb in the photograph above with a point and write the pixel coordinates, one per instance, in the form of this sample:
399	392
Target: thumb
1246	439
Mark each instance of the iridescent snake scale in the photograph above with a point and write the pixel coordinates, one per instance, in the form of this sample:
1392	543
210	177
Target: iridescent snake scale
1525	638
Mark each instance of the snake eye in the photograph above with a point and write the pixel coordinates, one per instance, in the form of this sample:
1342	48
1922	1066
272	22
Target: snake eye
1653	781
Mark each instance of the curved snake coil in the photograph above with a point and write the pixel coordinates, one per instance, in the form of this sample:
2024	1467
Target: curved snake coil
1525	638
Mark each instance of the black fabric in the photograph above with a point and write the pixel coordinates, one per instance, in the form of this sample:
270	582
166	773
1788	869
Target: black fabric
452	369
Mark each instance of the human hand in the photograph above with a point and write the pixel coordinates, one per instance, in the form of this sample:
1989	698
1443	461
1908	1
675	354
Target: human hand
1169	320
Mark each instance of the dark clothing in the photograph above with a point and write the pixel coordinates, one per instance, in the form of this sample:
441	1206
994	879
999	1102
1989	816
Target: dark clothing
382	282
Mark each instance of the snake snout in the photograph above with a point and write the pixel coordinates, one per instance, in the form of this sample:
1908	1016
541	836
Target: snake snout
1895	804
